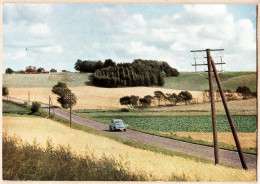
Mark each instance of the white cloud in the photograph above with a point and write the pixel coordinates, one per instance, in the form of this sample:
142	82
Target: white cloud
39	29
57	49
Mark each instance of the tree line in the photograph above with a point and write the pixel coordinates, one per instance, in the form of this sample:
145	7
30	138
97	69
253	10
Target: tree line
138	73
131	101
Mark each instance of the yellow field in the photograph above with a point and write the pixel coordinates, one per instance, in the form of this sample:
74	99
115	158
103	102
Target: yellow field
90	97
247	140
155	165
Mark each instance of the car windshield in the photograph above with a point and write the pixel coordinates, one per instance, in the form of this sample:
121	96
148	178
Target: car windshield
118	122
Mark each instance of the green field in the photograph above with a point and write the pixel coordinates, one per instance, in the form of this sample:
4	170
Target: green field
9	107
198	82
185	81
44	80
177	123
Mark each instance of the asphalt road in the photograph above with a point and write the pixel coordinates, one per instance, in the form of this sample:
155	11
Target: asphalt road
226	156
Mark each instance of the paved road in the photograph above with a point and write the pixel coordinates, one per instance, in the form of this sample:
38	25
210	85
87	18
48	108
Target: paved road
226	156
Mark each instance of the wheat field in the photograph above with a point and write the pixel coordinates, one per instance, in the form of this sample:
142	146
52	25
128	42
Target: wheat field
156	166
90	97
247	140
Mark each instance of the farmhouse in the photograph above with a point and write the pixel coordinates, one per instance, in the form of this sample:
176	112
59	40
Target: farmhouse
30	70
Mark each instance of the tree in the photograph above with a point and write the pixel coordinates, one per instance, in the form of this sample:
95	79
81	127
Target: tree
40	70
133	100
64	93
161	81
185	96
126	100
53	70
9	71
109	62
244	90
173	98
68	99
5	91
159	95
146	101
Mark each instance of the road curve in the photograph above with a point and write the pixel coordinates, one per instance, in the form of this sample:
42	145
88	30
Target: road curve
225	156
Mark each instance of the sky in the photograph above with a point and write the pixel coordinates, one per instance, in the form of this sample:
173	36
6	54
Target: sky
56	35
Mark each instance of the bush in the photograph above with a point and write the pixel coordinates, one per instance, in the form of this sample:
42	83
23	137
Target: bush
9	71
53	70
35	107
244	90
125	110
5	91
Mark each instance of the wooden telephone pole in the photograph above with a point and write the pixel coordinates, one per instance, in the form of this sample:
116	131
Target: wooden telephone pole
211	64
69	96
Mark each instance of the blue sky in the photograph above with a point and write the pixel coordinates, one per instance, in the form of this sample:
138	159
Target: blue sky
56	35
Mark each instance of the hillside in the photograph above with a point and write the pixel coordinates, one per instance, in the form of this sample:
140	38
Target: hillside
198	82
44	80
185	81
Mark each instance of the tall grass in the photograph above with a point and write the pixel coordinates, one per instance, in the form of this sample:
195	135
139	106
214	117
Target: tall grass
31	162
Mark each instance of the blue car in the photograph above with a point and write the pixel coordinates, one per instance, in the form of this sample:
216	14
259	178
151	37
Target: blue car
117	124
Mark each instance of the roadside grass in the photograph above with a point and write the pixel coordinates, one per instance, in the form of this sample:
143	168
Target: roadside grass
32	162
153	166
11	107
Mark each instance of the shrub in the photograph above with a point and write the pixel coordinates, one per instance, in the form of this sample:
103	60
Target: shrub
185	96
244	90
5	91
53	70
35	107
125	110
9	71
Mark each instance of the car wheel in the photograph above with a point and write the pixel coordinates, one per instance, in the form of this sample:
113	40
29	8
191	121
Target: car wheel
110	128
124	129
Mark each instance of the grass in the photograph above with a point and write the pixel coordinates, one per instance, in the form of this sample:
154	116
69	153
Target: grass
186	80
153	166
31	162
44	80
198	82
11	107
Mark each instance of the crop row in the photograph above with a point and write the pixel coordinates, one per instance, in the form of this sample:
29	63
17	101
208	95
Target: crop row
186	123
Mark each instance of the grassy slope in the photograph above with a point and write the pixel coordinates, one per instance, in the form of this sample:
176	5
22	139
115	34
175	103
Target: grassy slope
186	80
154	166
44	80
198	82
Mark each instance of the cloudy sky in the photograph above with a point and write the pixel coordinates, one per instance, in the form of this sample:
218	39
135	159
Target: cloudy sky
56	35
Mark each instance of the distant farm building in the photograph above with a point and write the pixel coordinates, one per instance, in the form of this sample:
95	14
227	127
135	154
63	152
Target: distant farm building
30	70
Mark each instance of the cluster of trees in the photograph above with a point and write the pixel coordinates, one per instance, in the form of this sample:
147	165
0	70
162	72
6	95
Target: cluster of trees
64	94
246	92
138	73
5	91
91	66
131	101
39	70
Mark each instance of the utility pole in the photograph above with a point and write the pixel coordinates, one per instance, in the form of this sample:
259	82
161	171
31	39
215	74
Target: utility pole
69	95
29	98
231	123
211	64
213	111
49	106
70	109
